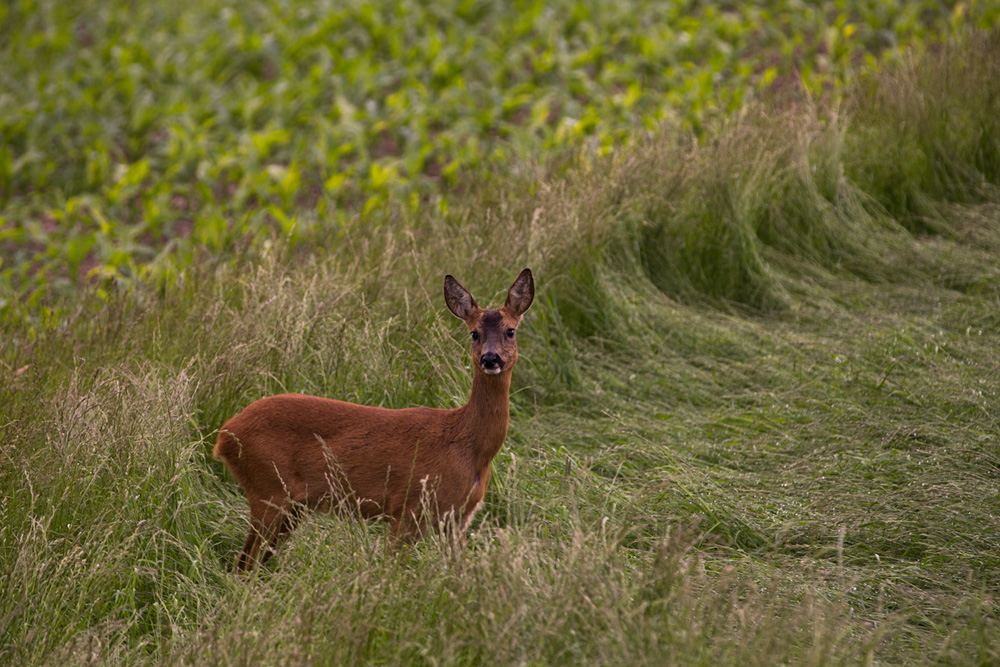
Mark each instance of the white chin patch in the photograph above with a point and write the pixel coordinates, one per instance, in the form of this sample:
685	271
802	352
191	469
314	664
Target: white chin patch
491	371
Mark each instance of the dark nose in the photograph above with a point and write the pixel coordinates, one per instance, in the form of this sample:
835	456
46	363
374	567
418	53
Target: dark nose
491	360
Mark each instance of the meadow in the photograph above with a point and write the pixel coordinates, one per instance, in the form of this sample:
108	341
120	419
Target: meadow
755	414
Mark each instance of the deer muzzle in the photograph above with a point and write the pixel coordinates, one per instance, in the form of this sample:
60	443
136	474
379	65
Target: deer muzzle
491	363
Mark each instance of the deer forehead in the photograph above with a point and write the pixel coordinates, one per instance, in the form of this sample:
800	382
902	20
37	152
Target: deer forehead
493	320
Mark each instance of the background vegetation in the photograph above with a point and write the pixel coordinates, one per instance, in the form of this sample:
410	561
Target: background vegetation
139	138
755	414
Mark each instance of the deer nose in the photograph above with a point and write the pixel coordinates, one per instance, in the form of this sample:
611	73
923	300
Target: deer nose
491	362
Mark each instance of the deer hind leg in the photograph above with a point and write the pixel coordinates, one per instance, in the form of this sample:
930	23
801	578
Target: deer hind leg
405	529
244	562
286	522
270	523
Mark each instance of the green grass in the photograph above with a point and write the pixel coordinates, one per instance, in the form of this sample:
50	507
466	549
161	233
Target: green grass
754	419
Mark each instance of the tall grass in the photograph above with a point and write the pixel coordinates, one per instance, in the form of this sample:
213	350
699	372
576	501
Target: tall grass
754	418
927	134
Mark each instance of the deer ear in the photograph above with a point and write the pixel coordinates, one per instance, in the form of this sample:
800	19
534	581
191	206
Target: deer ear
520	294
458	299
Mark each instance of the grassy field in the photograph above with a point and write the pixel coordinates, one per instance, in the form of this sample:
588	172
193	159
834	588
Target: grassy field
755	415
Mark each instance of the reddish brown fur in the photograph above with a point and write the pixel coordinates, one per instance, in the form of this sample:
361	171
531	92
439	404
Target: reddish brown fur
293	451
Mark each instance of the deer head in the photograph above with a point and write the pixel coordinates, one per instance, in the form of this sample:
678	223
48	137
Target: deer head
493	332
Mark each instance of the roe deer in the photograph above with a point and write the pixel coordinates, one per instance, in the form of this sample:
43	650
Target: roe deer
413	467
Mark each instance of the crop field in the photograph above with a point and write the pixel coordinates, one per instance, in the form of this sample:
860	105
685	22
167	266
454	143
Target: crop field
755	416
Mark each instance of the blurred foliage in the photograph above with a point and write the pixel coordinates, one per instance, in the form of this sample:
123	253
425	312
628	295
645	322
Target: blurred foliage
139	137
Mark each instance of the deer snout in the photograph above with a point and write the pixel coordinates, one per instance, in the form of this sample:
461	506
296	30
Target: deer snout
491	363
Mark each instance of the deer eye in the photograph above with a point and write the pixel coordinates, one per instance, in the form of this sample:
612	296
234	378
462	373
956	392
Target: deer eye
510	333
475	335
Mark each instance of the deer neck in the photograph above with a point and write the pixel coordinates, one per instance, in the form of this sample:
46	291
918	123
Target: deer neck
483	420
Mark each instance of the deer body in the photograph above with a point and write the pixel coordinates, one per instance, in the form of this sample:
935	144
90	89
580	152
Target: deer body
413	466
